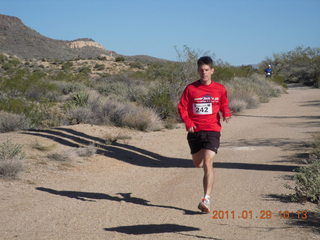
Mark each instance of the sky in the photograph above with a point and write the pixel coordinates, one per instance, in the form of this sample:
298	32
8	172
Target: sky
238	32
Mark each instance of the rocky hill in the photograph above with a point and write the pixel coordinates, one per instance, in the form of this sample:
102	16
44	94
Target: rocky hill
22	41
19	40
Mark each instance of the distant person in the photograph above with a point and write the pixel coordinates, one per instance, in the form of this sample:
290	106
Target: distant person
268	71
199	109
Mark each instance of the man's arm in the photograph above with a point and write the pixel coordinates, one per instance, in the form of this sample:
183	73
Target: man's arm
224	106
183	111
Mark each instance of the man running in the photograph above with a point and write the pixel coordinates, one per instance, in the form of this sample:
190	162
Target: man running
268	71
199	109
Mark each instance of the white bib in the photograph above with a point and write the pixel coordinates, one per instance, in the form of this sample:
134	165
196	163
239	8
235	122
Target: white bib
202	108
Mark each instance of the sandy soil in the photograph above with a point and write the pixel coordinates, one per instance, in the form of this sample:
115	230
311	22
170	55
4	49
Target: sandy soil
146	187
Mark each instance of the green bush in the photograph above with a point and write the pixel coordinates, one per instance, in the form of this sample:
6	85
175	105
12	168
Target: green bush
99	67
67	66
160	99
69	87
314	155
307	179
80	99
15	105
120	59
308	183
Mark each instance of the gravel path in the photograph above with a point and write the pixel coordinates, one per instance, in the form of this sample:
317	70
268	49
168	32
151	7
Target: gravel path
146	187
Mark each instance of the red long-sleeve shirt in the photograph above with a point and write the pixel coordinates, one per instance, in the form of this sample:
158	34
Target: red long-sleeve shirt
200	106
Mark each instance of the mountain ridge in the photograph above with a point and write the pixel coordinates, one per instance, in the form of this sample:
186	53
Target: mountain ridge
18	39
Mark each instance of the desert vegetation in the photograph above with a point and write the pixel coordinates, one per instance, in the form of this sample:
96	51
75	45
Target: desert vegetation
11	159
307	178
300	65
129	93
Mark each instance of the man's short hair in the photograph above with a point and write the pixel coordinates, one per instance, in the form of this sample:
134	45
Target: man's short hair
205	60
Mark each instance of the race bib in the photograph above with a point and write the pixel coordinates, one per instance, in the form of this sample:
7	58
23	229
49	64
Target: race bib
202	108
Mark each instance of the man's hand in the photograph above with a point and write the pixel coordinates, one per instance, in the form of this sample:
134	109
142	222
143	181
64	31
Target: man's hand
192	129
227	119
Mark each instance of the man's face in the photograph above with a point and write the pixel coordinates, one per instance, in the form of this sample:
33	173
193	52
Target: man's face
205	72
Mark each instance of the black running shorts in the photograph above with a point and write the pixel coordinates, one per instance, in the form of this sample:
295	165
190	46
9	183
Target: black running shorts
204	140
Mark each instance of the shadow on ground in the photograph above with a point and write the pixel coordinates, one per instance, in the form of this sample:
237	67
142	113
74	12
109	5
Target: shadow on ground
312	221
126	197
141	157
158	228
299	218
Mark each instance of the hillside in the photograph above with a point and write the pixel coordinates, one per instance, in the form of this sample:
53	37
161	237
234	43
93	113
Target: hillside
22	41
18	39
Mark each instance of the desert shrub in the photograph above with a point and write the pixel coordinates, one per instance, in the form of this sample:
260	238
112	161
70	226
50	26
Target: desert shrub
122	87
42	147
161	100
68	76
15	105
42	92
120	59
225	72
31	85
237	105
80	114
138	65
307	178
85	70
314	155
117	88
80	99
69	87
13	122
86	151
67	66
59	157
123	114
99	67
301	64
46	115
11	159
249	92
307	182
141	118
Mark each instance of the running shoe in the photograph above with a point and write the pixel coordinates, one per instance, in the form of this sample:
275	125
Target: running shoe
204	205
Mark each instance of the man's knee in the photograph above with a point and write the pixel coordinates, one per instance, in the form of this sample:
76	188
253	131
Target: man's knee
198	164
208	159
197	159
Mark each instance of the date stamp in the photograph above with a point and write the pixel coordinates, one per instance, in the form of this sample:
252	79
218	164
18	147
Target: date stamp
262	214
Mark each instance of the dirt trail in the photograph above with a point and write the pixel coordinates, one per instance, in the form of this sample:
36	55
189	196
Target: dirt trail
146	188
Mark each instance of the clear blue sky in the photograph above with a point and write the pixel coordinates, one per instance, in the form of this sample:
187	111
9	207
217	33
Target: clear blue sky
236	31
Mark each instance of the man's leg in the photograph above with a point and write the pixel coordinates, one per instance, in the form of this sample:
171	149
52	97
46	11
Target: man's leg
204	159
208	177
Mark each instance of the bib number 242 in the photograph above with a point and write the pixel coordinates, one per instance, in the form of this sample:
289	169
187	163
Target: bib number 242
202	108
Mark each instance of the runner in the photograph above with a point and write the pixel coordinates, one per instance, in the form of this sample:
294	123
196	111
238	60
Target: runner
268	71
199	109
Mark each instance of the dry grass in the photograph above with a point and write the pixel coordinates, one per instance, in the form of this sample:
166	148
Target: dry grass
113	111
42	147
11	159
13	122
250	92
86	151
60	157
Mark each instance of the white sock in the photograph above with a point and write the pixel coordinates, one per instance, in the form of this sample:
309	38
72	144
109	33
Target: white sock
207	197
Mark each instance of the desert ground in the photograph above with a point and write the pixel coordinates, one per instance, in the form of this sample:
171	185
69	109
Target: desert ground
145	187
